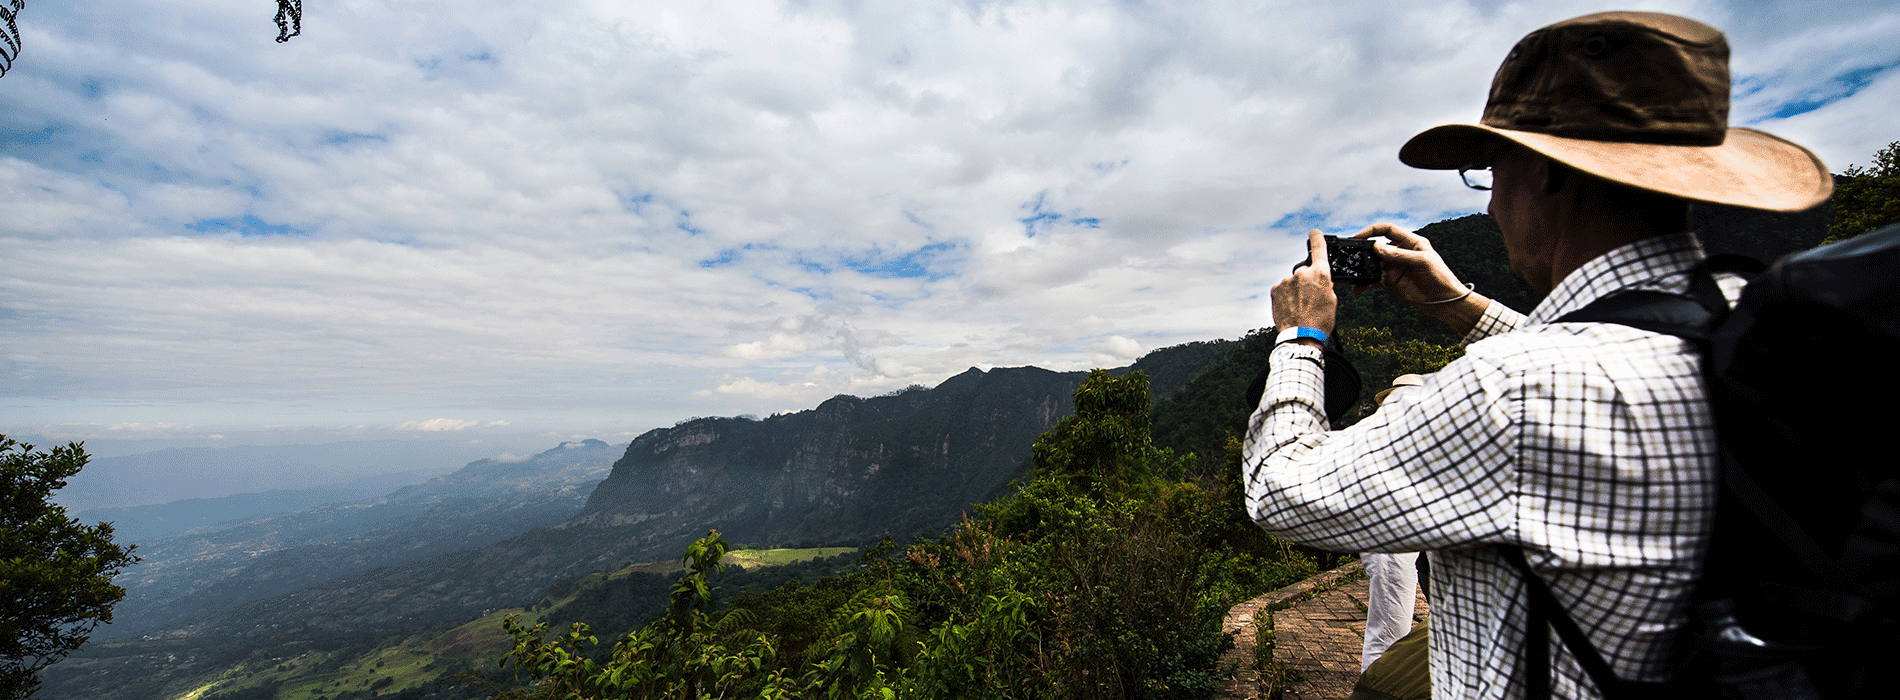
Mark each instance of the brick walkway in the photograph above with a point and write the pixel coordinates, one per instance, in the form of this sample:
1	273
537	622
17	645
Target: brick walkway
1319	637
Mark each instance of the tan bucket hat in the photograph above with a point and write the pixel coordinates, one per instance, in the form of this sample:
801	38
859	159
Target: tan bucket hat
1399	381
1639	98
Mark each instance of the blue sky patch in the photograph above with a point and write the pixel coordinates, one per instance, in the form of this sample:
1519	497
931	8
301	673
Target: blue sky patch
730	255
633	201
686	224
1041	218
909	265
346	138
1307	217
813	266
1839	88
246	225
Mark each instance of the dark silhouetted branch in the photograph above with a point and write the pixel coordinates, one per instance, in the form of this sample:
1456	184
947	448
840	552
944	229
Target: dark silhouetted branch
289	19
10	36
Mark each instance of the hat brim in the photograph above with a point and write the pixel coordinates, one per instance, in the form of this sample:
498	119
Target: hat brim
1750	169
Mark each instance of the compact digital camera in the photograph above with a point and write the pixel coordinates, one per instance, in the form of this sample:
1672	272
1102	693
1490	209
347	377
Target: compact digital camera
1352	260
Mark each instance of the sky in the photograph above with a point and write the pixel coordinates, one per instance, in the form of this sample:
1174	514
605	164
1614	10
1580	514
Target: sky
469	218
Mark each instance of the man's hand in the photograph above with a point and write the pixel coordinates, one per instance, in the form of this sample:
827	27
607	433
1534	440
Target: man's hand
1415	273
1305	298
1411	269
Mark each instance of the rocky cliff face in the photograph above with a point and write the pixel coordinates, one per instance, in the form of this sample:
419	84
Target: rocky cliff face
850	469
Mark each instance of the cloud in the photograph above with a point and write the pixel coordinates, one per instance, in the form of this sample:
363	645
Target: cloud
1116	350
748	386
594	213
438	425
145	428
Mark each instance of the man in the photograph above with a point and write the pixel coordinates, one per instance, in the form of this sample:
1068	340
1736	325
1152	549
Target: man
1588	445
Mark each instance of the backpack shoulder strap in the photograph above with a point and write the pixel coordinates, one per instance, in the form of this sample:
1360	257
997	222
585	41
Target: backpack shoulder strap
1546	613
1688	316
1659	312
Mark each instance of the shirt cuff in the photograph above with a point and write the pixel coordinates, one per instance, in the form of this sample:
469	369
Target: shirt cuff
1497	318
1298	376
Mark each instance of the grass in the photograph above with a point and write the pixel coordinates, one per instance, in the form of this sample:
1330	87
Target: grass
750	559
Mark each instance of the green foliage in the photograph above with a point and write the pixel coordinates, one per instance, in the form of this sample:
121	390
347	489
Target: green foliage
1865	199
860	643
1380	358
55	574
1105	444
1106	574
1886	164
1410	356
683	655
1210	409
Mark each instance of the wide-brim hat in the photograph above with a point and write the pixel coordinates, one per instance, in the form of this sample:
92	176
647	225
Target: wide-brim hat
1399	381
1638	98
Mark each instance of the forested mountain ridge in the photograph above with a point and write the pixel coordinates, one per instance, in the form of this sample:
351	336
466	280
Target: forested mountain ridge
847	469
851	469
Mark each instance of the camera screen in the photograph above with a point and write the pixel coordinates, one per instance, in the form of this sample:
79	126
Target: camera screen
1353	261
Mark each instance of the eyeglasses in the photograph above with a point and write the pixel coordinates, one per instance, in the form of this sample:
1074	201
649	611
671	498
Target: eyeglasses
1477	175
1477	178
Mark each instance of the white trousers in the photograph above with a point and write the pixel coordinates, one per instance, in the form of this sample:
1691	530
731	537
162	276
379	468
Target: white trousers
1394	580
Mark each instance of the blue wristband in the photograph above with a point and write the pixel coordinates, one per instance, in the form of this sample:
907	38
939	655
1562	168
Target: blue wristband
1298	332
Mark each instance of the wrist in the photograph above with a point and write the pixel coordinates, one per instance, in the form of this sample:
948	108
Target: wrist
1305	335
1461	315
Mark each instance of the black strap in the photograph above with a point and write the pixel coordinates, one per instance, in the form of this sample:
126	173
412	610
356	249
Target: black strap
1688	316
1546	613
1657	312
1775	518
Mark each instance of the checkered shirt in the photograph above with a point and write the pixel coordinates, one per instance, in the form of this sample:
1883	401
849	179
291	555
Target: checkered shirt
1590	445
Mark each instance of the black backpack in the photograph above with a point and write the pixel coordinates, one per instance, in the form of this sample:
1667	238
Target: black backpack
1800	594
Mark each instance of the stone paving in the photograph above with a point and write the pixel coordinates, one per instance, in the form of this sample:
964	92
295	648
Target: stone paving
1319	636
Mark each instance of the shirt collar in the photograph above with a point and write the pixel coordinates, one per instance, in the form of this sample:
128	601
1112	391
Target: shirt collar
1637	264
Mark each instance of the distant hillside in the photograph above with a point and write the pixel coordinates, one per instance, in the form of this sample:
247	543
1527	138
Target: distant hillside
150	523
484	502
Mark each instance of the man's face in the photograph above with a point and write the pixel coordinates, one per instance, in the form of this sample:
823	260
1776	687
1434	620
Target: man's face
1517	198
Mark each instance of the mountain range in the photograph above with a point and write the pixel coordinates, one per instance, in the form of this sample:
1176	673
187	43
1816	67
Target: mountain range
498	534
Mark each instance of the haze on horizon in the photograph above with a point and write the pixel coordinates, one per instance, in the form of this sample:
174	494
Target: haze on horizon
480	219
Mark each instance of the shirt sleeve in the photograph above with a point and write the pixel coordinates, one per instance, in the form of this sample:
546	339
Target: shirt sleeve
1433	468
1497	318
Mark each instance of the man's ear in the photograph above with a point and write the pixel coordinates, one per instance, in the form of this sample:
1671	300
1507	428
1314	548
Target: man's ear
1553	174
